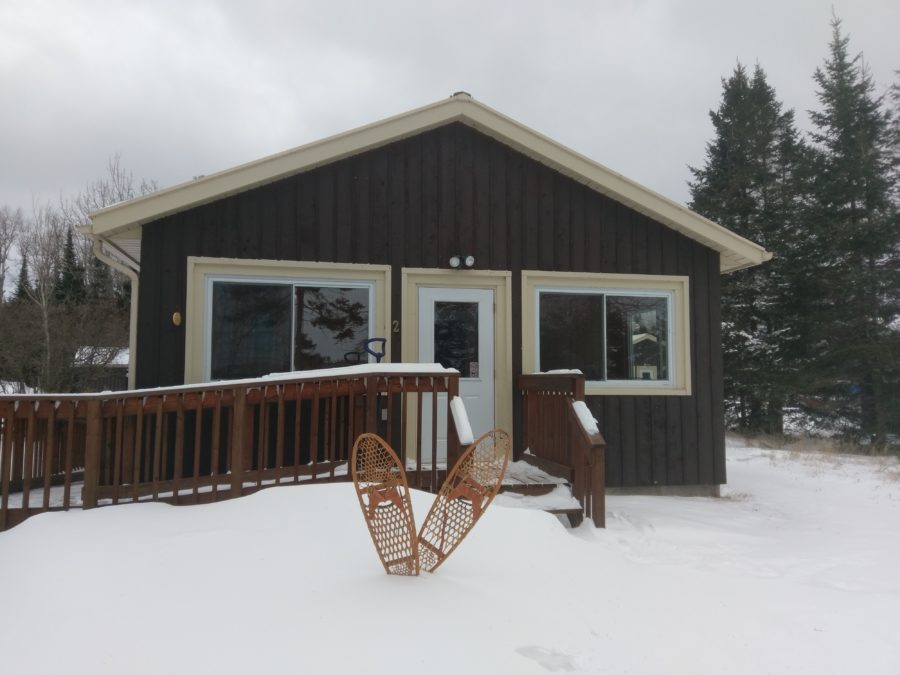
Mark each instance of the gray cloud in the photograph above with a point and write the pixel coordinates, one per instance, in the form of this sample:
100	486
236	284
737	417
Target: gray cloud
181	89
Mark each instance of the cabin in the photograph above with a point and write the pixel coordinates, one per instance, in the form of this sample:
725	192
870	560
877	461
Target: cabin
102	368
457	236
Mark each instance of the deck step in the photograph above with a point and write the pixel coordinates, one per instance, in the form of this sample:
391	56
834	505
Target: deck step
532	489
573	515
532	483
525	478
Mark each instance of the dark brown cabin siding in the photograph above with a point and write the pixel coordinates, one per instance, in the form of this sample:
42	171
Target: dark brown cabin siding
416	202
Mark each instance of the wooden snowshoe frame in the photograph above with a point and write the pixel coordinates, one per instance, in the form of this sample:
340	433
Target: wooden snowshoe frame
469	489
383	492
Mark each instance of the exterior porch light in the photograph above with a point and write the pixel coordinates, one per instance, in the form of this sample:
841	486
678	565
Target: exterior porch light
458	261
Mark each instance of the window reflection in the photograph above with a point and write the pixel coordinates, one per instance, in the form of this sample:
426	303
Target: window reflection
456	336
251	330
636	332
331	322
261	328
571	333
607	337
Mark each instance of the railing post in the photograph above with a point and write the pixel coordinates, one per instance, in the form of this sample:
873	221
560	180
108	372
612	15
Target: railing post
6	464
92	454
239	411
598	485
523	441
453	447
581	472
578	387
28	464
372	404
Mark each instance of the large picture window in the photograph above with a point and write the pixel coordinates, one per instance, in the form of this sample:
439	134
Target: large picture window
606	336
261	326
246	318
626	333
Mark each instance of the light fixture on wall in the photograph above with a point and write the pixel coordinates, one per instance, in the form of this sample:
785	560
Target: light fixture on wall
462	261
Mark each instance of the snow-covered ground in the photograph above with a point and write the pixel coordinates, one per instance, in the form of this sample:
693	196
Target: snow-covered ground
796	570
8	387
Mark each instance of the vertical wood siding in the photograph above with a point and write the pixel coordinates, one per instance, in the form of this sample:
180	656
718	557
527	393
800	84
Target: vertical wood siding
451	190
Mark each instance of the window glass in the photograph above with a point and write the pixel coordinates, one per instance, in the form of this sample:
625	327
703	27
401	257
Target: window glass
251	330
636	338
571	332
607	337
332	323
268	327
456	336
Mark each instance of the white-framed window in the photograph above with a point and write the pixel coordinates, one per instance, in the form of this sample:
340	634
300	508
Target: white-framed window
626	333
247	318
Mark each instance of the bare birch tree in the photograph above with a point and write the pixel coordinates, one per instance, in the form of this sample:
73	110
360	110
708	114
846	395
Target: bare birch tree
41	245
11	225
58	333
116	186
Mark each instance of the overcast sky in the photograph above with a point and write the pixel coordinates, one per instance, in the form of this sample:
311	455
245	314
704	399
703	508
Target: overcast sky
187	87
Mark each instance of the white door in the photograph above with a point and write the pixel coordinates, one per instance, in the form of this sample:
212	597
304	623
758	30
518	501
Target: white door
456	329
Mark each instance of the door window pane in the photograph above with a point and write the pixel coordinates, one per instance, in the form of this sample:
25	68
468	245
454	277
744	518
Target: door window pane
251	330
456	336
637	334
332	323
571	333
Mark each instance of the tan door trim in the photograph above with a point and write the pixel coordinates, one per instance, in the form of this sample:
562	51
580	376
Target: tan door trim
501	283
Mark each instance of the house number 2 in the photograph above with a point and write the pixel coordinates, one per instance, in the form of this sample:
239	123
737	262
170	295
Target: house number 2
395	326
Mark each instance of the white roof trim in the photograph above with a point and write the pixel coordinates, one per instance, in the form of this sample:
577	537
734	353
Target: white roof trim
736	252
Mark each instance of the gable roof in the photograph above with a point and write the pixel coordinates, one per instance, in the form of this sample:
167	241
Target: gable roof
120	224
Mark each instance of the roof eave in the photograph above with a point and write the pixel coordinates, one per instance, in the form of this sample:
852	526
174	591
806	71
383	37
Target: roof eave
729	265
738	252
247	176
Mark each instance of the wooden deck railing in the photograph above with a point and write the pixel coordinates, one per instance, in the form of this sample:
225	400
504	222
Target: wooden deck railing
589	469
557	442
215	441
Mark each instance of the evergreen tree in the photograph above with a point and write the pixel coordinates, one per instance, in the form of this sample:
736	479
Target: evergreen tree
23	285
122	292
69	287
100	283
853	269
752	183
894	114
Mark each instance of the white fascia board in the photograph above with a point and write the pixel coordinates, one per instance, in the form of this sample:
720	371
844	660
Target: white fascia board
737	252
247	176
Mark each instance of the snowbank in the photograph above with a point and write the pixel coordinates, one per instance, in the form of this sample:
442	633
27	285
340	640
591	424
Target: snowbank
794	571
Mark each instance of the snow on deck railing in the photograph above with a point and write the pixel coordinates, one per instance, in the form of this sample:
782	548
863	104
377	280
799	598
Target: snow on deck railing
461	420
586	417
560	371
358	371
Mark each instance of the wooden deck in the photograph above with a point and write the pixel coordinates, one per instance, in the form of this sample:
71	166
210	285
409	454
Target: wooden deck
198	444
195	444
